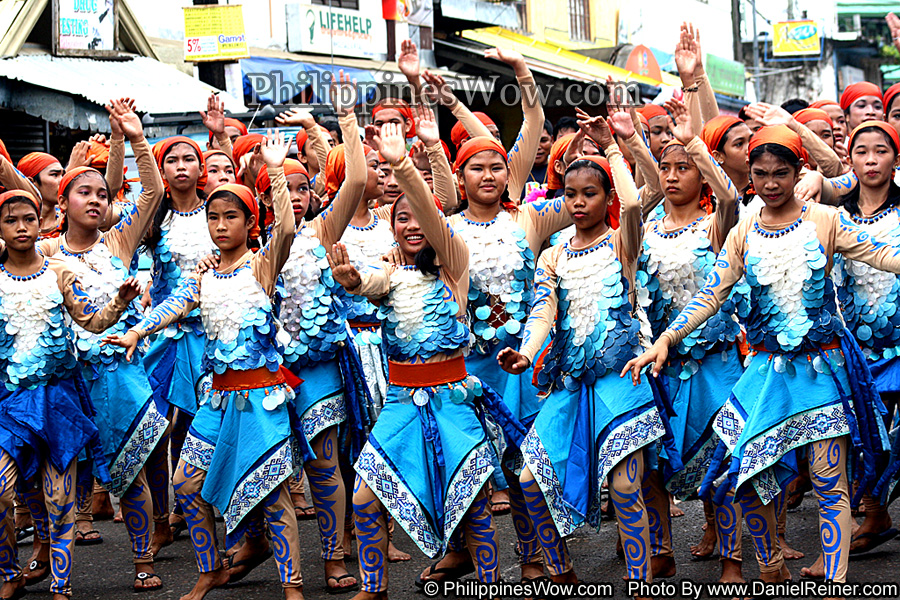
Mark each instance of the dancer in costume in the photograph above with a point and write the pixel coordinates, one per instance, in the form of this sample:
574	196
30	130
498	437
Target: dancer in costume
240	449
46	407
805	363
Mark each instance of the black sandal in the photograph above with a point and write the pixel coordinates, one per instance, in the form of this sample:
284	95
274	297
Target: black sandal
37	565
143	577
450	573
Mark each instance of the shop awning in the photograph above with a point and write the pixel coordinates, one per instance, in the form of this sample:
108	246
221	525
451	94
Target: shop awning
558	62
155	86
867	8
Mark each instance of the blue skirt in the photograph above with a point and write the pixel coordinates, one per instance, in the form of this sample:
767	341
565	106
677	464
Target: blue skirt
427	463
129	424
319	401
52	422
517	391
696	401
599	424
776	407
174	368
886	373
245	443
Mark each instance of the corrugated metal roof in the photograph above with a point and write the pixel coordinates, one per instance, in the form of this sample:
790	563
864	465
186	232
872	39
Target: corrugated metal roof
155	86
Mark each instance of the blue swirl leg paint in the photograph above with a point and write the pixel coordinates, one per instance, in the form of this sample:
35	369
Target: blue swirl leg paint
199	515
328	493
157	469
59	491
556	554
9	563
828	471
481	539
729	518
33	497
528	548
137	505
279	514
763	527
84	492
634	529
371	538
659	521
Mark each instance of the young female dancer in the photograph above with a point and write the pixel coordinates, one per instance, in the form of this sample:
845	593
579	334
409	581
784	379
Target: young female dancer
590	426
130	424
219	170
240	450
45	171
428	442
805	362
42	381
862	102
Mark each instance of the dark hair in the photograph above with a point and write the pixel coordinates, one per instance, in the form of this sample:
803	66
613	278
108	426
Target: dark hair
742	114
778	151
233	199
10	203
64	224
333	126
794	104
724	139
850	200
890	141
566	122
426	256
605	183
548	127
154	234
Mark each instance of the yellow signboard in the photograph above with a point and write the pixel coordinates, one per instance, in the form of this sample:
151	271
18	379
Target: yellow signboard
796	38
214	33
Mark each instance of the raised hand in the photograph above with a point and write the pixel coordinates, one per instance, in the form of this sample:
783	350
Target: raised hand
341	268
393	144
684	127
768	114
595	128
685	56
512	361
408	61
121	112
510	57
79	155
214	117
426	126
437	90
343	94
809	187
656	354
296	116
129	341
575	149
694	37
274	148
130	289
893	23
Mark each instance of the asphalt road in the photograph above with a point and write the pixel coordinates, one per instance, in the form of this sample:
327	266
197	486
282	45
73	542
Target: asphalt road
104	572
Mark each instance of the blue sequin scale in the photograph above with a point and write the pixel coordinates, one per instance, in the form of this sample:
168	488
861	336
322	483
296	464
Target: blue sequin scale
595	333
366	246
869	298
34	339
311	310
673	267
100	273
418	317
793	301
501	273
183	243
239	322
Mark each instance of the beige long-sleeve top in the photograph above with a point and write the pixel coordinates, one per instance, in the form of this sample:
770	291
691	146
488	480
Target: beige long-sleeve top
626	242
830	164
87	315
316	141
12	179
835	234
521	157
442	177
651	193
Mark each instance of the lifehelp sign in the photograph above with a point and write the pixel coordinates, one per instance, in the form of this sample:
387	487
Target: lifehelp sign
329	30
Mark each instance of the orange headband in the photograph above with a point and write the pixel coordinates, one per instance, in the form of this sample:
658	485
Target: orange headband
715	129
98	154
652	110
335	168
20	194
823	103
780	135
70	176
557	151
888	129
3	151
167	144
889	97
245	144
229	122
245	196
470	148
806	115
855	91
437	203
458	133
210	153
401	107
291	167
33	163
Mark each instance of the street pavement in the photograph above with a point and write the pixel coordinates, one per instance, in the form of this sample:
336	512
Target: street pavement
105	572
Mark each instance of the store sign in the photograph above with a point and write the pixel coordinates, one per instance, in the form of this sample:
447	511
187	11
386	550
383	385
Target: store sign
84	27
642	62
329	30
214	32
796	38
726	76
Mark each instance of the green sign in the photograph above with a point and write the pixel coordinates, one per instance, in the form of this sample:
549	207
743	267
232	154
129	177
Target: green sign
726	76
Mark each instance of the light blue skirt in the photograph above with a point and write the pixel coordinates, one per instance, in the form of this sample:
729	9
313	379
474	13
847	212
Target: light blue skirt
173	365
319	401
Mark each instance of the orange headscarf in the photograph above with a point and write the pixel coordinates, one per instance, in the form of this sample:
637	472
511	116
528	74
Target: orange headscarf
209	153
335	169
98	155
3	151
245	144
400	106
437	202
459	134
822	103
644	121
652	110
806	115
291	167
229	122
706	193
167	144
883	126
303	137
557	151
246	196
20	194
73	173
780	135
470	148
889	97
855	91
615	206
715	129
34	162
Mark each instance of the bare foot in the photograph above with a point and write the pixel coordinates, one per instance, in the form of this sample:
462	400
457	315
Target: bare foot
707	545
102	507
293	593
247	557
532	570
816	570
11	587
449	561
662	567
500	502
337	576
776	576
206	583
789	553
145	578
162	537
731	571
396	555
865	538
674	509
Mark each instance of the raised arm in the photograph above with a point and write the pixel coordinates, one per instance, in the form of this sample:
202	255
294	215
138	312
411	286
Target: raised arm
543	311
651	194
184	299
115	166
442	177
727	196
829	162
12	179
214	119
268	262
